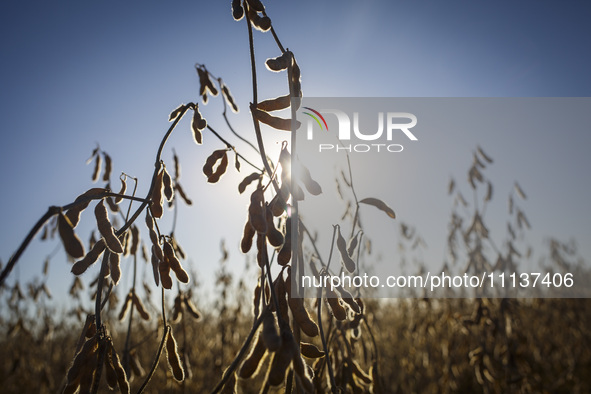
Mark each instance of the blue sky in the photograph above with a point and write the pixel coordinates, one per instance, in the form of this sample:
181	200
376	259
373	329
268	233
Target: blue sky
73	74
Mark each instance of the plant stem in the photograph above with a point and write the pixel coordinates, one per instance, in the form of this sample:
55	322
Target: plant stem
156	360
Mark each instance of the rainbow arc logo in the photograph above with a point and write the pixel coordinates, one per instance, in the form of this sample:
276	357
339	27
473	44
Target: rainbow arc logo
316	118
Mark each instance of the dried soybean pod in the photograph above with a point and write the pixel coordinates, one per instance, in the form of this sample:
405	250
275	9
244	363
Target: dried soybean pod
271	338
111	375
81	266
164	269
253	360
173	357
118	199
274	236
298	310
279	202
177	309
301	370
174	263
357	371
71	242
279	63
262	23
247	181
311	185
352	244
177	249
360	303
297	192
247	236
285	253
282	314
261	247
348	298
179	189
167	182
273	121
211	87
108	167
379	204
198	124
202	83
156	249
112	204
119	371
257	298
156	197
275	104
281	359
97	168
135	240
135	365
124	238
311	351
105	228
114	260
237	10
256	215
87	375
176	112
337	309
191	308
140	307
348	263
84	355
220	170
229	98
155	266
211	160
125	306
91	329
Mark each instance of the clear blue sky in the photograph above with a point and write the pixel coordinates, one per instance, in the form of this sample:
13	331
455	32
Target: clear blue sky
76	73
